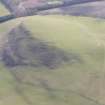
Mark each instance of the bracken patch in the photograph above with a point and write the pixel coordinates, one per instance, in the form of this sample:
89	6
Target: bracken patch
23	49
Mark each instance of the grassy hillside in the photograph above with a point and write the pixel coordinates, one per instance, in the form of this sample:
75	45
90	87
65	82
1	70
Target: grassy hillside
3	11
77	83
92	9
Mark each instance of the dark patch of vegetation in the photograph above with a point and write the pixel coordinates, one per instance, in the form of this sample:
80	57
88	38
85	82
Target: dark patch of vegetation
6	18
23	49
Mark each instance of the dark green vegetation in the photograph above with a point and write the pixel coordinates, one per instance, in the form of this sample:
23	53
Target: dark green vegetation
22	49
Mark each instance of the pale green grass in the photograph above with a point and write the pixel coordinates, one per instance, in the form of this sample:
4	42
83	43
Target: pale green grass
3	10
70	84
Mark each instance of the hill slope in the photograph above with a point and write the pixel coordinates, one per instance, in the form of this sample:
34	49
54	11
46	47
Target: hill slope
3	11
95	9
90	8
76	83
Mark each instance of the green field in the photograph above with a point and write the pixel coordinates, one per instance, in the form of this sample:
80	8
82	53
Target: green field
3	11
80	83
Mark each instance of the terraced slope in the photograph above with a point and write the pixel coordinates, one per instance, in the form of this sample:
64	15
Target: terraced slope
72	83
